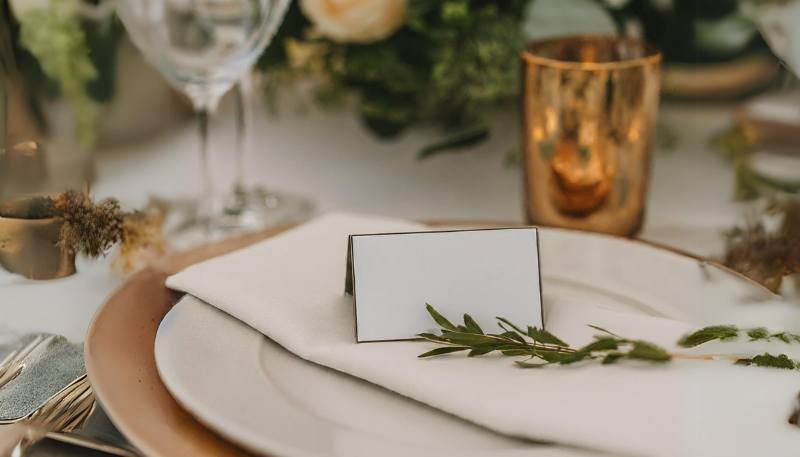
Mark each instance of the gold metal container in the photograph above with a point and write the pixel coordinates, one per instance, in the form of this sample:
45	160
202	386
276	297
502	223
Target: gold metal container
589	107
28	240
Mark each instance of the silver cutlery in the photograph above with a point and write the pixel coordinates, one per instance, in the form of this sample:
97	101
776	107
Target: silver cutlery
59	416
13	364
64	412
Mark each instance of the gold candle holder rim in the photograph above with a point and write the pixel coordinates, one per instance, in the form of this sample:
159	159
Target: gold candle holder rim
652	56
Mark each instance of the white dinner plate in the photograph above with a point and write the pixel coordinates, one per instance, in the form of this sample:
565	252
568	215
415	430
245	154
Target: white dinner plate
255	393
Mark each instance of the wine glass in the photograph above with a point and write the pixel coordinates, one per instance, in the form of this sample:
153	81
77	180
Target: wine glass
203	48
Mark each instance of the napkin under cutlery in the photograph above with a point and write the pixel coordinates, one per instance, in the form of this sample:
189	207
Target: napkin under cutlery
290	288
48	368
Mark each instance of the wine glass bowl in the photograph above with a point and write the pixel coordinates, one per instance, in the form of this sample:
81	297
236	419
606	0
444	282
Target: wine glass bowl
202	47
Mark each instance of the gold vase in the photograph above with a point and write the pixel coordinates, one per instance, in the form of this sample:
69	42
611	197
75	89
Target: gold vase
29	241
589	107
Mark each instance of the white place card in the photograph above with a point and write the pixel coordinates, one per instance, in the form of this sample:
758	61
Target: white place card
484	273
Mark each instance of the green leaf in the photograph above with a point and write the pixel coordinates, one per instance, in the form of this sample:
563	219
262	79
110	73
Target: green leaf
602	343
612	357
554	356
704	335
471	325
782	336
457	140
774	361
577	356
442	351
644	350
759	333
476	351
601	329
468	339
507	322
516	352
431	336
770	361
441	320
513	336
523	364
545	337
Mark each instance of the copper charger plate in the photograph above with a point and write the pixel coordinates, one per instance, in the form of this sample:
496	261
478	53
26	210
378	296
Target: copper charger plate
120	356
120	361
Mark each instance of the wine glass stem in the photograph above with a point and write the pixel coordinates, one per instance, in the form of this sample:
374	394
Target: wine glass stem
244	120
206	205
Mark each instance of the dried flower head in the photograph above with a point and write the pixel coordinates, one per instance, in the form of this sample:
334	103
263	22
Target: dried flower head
764	254
89	228
142	239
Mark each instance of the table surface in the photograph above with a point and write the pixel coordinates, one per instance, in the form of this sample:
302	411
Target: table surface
330	158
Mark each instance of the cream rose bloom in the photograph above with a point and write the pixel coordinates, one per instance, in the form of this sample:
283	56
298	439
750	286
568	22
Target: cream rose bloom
359	21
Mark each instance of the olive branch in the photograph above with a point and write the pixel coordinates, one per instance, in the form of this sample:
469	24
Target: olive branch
543	348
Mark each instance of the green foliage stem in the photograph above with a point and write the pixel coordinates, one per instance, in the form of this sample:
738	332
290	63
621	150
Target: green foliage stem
543	348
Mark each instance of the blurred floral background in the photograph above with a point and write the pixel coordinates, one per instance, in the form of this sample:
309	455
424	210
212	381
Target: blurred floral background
406	62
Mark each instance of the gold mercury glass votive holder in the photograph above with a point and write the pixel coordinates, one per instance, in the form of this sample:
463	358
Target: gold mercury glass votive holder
29	235
589	107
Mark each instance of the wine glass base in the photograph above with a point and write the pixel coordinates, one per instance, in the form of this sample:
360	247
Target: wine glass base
245	210
254	208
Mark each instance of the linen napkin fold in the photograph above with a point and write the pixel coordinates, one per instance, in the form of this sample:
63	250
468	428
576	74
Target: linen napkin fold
290	288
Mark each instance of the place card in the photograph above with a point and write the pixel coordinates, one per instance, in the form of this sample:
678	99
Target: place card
484	273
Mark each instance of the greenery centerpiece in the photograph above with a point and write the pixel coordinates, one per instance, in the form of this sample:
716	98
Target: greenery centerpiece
443	63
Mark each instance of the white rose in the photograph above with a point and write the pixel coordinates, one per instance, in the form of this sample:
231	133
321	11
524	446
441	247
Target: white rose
359	21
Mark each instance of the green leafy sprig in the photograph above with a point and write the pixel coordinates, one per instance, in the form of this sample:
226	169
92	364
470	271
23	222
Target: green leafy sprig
731	332
543	348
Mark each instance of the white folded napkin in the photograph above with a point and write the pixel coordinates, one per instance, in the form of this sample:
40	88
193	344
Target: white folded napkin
290	288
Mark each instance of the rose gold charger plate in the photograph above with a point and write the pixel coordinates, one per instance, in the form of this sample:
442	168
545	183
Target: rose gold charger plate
120	360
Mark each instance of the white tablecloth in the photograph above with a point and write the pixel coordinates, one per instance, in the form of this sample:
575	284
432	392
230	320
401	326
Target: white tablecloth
330	158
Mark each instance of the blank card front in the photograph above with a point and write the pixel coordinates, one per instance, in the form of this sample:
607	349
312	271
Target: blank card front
484	273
